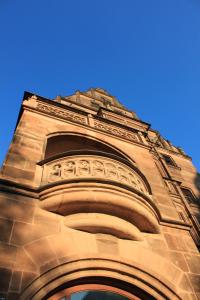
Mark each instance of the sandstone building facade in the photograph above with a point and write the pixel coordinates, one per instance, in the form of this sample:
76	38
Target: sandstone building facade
94	204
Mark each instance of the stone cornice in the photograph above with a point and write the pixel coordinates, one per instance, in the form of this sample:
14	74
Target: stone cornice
139	123
79	116
74	115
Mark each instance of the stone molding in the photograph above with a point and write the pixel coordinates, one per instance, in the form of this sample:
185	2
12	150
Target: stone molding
99	223
65	113
116	131
67	199
52	107
108	267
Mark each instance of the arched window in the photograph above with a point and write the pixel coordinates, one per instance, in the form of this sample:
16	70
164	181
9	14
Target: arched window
93	292
168	160
188	195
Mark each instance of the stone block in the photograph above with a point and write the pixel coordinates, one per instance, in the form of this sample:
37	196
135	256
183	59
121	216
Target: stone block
175	242
179	260
155	242
5	275
40	251
31	143
107	244
16	279
8	255
44	217
19	174
185	284
190	245
16	160
27	153
16	210
195	281
24	262
49	265
168	212
24	233
62	245
193	262
27	278
5	230
188	296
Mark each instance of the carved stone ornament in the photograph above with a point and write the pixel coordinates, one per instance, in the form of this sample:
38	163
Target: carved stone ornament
31	101
63	113
116	131
95	167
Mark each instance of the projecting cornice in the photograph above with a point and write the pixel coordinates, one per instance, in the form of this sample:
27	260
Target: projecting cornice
100	122
123	125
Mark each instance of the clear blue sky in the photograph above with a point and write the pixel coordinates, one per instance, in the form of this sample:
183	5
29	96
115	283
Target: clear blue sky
145	52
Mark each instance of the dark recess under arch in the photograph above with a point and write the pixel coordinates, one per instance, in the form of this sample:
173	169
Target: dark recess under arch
61	143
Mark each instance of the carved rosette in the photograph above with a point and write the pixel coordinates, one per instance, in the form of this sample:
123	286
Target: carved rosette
95	167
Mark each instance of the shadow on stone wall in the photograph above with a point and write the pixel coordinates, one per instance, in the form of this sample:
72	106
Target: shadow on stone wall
197	184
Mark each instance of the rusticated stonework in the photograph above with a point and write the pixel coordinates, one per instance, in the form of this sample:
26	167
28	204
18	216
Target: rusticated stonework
93	199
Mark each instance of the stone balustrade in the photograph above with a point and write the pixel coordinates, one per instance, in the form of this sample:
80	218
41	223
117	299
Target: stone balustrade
92	168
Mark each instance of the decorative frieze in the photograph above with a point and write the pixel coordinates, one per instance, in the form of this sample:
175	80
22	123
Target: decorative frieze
63	113
92	167
120	132
78	118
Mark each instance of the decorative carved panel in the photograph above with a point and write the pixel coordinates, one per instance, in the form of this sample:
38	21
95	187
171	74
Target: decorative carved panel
92	167
63	113
116	131
77	118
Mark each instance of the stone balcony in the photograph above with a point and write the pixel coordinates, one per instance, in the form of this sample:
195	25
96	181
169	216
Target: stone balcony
98	192
93	167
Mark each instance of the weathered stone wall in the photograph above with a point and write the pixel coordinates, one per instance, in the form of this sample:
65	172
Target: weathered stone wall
37	247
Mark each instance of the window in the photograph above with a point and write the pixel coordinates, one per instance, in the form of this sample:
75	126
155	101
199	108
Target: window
188	195
93	292
97	295
168	160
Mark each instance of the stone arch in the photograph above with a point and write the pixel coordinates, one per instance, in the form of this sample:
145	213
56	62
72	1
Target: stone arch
113	150
79	140
107	269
